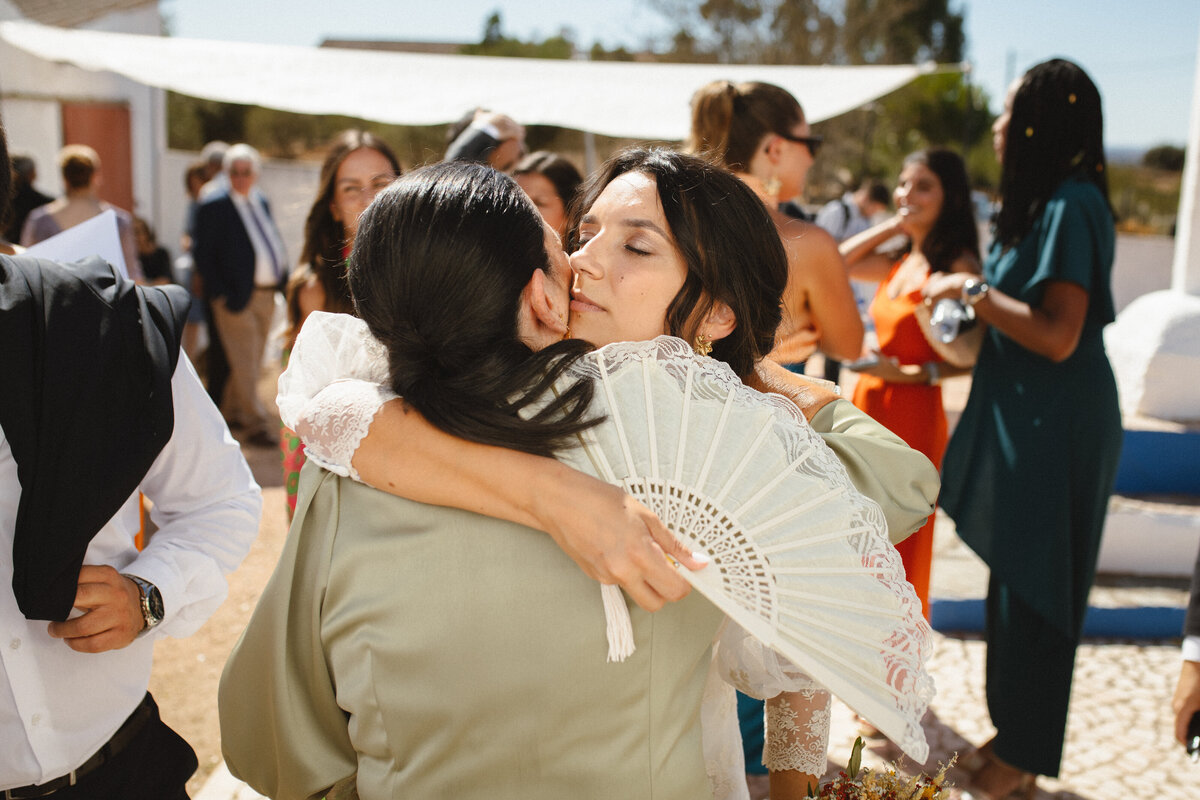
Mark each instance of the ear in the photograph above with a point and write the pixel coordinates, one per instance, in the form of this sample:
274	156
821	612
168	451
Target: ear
719	322
773	148
335	213
543	307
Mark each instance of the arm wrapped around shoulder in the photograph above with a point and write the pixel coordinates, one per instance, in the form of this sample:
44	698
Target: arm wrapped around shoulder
900	479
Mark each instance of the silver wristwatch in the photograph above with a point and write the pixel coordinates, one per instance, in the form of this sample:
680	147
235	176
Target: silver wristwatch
974	290
151	598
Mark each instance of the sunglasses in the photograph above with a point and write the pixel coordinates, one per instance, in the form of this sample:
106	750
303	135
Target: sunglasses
813	143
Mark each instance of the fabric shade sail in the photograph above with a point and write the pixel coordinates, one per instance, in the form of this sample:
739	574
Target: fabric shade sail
637	100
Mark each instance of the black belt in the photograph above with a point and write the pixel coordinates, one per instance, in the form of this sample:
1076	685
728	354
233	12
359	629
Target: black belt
124	735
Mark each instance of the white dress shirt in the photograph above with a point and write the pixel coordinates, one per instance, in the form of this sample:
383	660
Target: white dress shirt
270	259
57	706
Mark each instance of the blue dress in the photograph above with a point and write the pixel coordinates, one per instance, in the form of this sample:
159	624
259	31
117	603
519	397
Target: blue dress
1028	473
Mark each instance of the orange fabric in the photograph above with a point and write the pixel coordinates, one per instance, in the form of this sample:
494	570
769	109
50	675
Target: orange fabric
912	411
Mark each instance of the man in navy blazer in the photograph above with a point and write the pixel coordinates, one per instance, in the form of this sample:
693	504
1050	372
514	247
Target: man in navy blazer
240	255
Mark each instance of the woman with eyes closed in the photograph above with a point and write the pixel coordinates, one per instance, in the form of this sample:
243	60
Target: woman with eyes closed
357	166
658	251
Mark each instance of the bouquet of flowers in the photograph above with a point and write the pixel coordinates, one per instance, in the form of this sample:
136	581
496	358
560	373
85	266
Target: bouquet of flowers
884	784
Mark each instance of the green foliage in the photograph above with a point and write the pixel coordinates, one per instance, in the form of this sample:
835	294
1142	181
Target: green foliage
495	43
191	122
1166	157
816	31
1146	200
938	110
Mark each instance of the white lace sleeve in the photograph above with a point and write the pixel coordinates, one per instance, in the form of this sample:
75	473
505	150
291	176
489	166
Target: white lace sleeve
333	387
797	708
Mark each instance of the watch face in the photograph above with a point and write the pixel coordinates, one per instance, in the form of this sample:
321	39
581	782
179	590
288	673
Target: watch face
154	604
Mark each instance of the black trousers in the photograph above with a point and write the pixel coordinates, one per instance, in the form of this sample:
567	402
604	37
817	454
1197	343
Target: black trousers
1029	667
154	766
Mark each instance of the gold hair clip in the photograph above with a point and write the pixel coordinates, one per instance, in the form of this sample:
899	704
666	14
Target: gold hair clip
1029	133
1071	98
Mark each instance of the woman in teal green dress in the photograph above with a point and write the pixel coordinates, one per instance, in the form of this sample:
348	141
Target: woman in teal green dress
1030	467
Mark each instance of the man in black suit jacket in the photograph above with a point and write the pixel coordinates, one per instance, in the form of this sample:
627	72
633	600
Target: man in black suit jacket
1187	691
240	255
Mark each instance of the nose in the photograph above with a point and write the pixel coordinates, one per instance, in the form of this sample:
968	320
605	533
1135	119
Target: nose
584	263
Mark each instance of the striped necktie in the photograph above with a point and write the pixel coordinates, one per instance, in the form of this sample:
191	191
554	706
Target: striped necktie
276	261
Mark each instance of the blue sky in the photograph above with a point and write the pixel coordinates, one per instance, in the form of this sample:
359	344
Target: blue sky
1141	53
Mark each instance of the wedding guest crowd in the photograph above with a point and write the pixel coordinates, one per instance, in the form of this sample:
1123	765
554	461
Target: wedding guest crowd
1042	411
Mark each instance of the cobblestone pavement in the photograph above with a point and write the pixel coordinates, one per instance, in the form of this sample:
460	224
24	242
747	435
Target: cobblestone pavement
1120	743
1119	731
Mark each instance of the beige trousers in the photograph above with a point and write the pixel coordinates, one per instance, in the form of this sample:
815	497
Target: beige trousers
244	337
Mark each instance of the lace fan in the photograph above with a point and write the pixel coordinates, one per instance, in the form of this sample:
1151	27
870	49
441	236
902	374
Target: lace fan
800	559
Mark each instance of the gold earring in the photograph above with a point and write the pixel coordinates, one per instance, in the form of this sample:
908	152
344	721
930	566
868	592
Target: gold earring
772	185
702	346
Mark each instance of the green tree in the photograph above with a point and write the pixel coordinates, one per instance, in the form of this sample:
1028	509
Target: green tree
819	31
496	43
1165	157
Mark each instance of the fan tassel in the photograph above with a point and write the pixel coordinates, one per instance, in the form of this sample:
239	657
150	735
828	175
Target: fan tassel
618	625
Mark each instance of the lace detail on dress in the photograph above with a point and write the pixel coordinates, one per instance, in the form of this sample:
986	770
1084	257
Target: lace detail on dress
797	732
333	387
334	423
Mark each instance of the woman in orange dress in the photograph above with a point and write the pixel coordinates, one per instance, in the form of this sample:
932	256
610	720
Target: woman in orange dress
900	388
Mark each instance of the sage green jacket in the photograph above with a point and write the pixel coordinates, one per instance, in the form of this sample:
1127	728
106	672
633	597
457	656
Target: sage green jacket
437	653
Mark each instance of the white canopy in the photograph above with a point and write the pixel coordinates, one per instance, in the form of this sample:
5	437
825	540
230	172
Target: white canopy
646	101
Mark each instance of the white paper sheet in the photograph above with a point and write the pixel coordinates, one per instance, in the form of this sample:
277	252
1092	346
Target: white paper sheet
97	236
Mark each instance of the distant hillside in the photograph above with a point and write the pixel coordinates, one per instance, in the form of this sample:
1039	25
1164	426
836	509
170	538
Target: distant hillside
1125	155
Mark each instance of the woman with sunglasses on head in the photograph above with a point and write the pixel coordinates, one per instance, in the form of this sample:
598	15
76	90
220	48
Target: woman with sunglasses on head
900	388
1031	464
758	132
357	166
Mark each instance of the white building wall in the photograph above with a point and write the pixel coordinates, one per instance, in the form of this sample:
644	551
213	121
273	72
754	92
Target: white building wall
30	89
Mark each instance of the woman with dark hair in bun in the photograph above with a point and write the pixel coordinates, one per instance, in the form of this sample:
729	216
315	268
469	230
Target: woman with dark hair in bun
659	249
1031	464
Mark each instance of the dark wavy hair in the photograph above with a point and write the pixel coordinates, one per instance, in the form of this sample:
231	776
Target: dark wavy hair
324	236
561	173
727	240
954	232
1056	131
439	265
729	120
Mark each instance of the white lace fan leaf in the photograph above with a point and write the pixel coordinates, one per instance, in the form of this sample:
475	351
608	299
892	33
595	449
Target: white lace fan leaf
800	559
